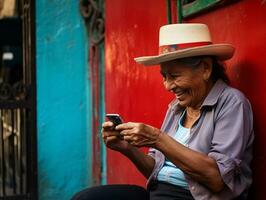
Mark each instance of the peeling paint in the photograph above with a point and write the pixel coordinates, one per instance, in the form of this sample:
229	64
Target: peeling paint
63	101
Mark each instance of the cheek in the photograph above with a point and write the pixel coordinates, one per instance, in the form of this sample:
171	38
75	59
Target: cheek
195	88
183	83
197	91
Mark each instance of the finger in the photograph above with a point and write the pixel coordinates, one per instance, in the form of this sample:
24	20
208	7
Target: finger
127	132
132	138
135	144
140	143
110	133
128	138
107	124
128	125
110	139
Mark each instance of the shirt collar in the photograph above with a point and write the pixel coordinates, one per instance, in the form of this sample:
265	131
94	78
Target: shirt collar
214	94
210	100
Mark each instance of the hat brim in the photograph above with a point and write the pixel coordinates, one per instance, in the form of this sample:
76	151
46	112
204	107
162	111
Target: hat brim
221	51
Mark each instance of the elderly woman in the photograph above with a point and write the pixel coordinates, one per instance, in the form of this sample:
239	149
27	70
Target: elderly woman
204	147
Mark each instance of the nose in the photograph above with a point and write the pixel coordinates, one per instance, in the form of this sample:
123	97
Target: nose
169	84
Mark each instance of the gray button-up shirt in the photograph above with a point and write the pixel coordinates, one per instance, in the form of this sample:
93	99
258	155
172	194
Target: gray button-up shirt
224	132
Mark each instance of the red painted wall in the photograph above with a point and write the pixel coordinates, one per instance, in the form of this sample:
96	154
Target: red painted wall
132	90
137	93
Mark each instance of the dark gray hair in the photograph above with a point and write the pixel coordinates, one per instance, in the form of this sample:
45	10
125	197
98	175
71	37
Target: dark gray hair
218	71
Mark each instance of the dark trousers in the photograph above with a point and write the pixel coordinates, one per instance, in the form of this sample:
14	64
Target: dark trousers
166	191
162	191
113	192
158	191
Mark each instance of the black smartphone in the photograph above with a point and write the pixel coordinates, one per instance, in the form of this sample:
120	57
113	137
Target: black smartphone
115	118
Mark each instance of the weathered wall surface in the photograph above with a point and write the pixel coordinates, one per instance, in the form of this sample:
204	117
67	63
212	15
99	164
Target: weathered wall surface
63	112
136	92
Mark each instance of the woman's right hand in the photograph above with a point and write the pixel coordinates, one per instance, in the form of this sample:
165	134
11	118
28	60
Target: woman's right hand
112	138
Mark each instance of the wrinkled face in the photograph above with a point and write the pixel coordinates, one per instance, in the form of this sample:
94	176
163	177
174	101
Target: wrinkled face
188	79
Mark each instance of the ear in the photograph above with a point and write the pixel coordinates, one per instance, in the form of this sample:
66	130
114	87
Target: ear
207	68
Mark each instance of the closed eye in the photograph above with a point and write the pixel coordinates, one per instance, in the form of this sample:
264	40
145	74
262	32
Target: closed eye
174	76
170	76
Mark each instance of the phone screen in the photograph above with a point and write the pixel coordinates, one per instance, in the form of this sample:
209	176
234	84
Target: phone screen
115	118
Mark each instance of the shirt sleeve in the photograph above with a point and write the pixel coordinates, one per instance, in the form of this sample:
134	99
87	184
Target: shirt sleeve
151	152
232	137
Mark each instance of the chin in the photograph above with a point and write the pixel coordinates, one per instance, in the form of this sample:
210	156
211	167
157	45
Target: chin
183	103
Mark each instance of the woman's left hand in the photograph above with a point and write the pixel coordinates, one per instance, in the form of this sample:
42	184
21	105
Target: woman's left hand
139	134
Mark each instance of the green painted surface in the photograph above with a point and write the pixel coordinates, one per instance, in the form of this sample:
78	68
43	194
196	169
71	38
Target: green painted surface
169	12
179	11
198	6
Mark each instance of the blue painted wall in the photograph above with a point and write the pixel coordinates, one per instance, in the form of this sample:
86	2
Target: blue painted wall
63	100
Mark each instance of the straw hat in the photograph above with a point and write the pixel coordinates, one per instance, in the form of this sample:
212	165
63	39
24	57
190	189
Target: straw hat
186	40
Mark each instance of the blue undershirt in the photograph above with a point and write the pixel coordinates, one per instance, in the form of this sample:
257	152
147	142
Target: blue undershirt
169	172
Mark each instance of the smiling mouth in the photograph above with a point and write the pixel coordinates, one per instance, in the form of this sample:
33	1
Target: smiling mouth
179	94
